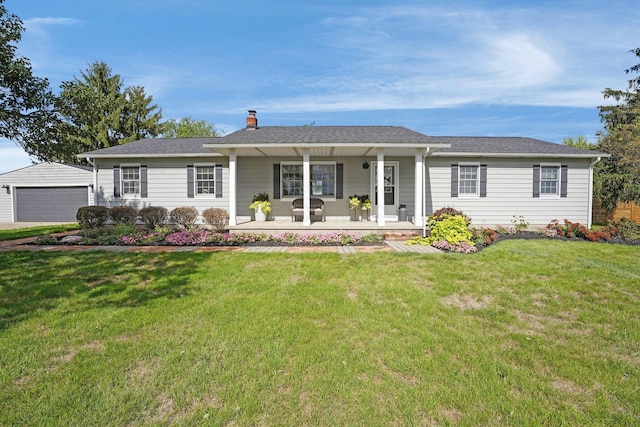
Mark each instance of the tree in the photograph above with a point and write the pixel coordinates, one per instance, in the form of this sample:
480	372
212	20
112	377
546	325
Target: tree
580	142
99	113
618	177
27	114
187	127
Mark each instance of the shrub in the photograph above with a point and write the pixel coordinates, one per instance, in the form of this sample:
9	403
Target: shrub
484	236
627	229
438	215
218	218
123	215
184	216
450	228
575	229
92	216
153	216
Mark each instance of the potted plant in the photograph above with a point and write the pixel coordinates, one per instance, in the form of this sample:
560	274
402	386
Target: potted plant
366	206
354	206
261	206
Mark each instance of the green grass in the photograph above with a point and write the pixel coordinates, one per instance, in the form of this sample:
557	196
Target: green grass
523	333
21	233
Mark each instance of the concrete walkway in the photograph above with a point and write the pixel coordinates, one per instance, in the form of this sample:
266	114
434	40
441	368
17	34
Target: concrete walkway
388	246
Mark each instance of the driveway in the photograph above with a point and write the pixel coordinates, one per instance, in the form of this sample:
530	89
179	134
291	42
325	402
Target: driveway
15	225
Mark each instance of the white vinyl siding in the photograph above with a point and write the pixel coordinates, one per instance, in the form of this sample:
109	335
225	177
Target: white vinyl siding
510	183
166	185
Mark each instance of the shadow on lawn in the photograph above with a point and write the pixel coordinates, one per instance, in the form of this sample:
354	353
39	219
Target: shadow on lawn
34	281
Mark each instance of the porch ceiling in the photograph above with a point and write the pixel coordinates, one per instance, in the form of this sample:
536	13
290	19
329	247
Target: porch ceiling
325	150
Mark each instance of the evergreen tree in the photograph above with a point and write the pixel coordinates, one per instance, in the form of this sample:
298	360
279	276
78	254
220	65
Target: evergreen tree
618	177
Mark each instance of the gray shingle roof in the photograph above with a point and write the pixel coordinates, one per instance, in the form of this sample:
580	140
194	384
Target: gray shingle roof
325	134
156	147
462	145
507	145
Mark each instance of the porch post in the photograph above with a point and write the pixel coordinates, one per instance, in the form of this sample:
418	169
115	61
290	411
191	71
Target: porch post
380	184
306	187
232	188
418	215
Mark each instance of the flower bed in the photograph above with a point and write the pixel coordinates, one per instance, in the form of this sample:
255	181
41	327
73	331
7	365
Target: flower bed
163	236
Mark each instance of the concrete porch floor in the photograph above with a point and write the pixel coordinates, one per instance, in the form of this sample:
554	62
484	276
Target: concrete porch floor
359	227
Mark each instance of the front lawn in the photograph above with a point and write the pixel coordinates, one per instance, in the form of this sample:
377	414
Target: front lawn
21	233
533	332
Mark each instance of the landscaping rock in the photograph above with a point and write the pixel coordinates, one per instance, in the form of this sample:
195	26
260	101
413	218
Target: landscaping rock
71	240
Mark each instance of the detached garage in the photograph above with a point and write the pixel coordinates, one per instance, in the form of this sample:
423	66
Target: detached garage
46	192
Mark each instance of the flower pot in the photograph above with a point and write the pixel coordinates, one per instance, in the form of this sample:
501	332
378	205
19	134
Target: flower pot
354	215
402	214
260	216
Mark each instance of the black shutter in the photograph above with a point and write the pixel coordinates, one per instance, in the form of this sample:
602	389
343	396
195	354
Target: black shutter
143	181
563	180
218	180
454	180
190	182
116	181
483	180
536	180
276	180
339	180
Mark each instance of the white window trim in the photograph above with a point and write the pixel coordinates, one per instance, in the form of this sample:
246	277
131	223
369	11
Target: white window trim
462	195
195	181
559	182
130	195
322	162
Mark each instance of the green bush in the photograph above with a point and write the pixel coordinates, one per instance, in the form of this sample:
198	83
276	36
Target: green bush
440	213
218	218
92	216
450	228
153	216
184	216
123	215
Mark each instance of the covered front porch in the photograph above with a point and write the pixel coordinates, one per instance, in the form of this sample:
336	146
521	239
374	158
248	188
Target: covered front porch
400	228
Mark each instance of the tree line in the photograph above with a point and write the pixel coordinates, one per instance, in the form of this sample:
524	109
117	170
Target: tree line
617	178
93	111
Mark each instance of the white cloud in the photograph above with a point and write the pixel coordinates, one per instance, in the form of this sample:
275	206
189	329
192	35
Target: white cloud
36	23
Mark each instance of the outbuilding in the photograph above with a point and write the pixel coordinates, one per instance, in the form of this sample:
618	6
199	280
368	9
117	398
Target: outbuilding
45	192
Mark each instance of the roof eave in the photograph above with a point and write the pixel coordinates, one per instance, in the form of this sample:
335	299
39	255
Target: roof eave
146	156
521	155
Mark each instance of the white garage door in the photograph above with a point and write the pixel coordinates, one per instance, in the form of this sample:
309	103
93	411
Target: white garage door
49	204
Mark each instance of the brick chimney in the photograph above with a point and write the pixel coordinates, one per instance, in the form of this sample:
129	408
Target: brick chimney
252	121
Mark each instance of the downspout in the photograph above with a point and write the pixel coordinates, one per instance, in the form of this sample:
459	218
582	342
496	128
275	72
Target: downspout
590	204
424	192
94	190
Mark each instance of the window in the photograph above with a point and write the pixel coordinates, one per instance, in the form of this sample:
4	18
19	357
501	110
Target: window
468	180
549	180
291	180
205	180
323	180
130	180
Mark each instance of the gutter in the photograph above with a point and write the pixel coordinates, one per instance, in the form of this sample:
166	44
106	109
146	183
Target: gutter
94	186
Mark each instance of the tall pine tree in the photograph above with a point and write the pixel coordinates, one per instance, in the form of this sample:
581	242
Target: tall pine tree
618	177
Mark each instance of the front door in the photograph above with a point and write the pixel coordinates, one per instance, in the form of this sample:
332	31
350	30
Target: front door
390	189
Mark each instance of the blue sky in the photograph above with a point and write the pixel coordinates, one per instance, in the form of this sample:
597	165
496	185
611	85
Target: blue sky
483	68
